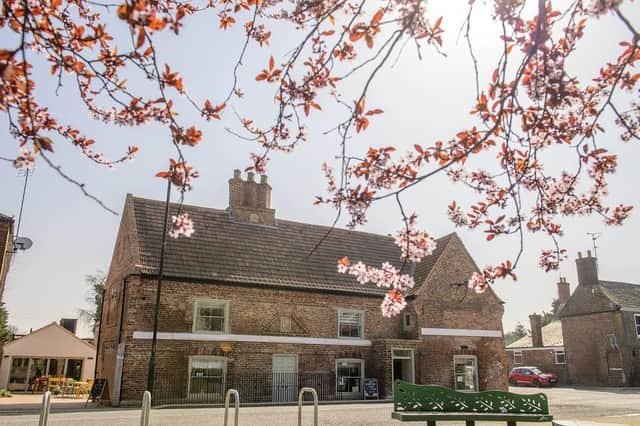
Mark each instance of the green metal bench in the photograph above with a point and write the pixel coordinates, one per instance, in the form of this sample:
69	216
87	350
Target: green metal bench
418	403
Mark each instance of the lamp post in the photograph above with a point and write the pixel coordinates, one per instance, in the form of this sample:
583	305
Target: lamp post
154	339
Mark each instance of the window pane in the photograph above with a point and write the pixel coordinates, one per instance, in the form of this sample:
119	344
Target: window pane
74	369
19	367
349	376
350	324
206	376
465	374
210	316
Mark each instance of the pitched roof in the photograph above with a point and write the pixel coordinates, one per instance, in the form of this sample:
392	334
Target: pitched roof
625	295
551	336
5	218
225	250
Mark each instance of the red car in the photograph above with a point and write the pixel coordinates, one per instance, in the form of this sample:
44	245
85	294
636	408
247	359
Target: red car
531	376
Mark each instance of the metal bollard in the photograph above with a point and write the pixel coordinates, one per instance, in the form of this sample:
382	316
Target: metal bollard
146	406
236	397
315	405
44	408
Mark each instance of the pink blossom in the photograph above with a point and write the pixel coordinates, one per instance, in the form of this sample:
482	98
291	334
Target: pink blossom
25	159
181	225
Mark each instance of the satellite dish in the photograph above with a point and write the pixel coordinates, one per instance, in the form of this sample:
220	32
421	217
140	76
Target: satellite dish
22	243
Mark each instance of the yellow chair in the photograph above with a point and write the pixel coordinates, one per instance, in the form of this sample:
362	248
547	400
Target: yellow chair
53	384
81	389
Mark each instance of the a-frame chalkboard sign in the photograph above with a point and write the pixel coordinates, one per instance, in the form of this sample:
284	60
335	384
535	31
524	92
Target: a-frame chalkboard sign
97	390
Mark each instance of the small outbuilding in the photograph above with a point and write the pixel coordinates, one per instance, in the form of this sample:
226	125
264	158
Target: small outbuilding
49	351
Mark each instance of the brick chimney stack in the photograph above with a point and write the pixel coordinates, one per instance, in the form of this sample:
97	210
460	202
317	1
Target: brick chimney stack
250	201
564	292
587	269
536	330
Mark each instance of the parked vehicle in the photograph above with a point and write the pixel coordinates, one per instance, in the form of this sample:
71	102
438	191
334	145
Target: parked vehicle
531	376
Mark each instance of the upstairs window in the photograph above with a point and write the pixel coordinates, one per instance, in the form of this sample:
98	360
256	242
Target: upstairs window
350	323
560	356
636	317
211	316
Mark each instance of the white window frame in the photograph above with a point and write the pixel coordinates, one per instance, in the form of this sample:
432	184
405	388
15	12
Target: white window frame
515	354
361	312
208	357
475	359
636	319
362	375
200	301
564	356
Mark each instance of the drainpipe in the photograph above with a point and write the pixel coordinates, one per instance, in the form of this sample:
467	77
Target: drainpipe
95	367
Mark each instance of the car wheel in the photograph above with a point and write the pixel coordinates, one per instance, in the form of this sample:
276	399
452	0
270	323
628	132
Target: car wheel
512	382
536	383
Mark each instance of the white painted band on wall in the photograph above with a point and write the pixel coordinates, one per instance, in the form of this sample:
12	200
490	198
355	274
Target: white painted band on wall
252	338
463	332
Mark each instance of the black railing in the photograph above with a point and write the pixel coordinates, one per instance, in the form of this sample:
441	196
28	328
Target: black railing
253	387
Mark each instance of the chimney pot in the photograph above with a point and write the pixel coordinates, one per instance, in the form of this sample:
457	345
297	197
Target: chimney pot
264	179
237	173
579	255
588	253
250	176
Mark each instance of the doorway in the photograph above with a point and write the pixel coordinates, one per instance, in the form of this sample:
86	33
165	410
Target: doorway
403	365
285	377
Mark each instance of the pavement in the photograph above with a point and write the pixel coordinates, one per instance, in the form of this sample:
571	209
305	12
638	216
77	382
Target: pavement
583	407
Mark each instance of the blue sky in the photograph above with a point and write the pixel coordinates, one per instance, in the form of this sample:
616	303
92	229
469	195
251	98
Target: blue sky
424	100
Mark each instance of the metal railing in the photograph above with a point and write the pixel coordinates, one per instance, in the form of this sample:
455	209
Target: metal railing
236	410
44	409
315	405
173	388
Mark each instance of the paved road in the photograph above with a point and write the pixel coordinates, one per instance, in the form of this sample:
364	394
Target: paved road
609	406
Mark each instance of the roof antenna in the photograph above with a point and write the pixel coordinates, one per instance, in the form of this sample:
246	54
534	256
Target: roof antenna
22	243
594	236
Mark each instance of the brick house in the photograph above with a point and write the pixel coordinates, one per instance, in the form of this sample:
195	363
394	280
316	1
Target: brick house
544	346
247	296
601	329
6	249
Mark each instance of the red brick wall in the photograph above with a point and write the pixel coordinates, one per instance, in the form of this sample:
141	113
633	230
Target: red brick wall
590	359
253	309
6	248
444	303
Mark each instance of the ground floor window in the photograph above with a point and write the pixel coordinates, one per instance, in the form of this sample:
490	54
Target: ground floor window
25	370
207	375
19	371
465	371
349	373
560	357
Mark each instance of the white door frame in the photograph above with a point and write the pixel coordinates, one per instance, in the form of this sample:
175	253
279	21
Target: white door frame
413	363
294	384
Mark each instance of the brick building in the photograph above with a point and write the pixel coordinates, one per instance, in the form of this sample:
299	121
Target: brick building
6	249
247	296
601	329
544	346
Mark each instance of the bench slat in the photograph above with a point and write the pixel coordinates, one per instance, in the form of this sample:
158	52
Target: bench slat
417	416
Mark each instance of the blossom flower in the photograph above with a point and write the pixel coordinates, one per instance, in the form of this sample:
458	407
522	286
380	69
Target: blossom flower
181	225
25	159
